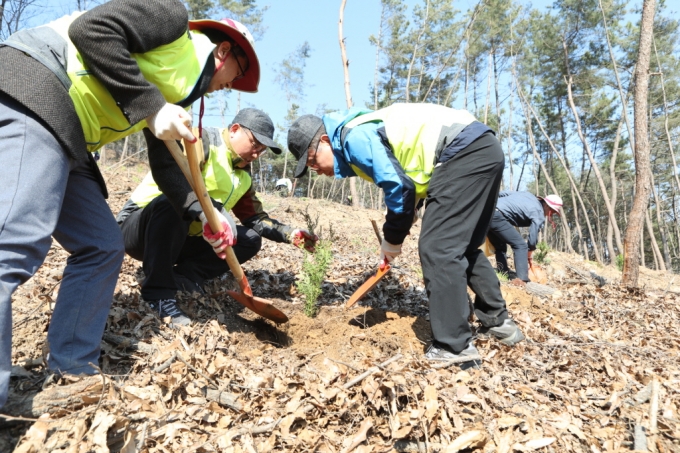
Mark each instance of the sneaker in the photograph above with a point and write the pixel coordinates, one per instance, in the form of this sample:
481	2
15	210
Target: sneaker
186	284
507	333
440	354
168	308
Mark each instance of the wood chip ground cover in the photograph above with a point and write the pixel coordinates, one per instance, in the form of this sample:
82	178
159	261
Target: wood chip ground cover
600	363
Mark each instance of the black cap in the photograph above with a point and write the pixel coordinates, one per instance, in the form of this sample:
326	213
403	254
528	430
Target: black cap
300	136
259	123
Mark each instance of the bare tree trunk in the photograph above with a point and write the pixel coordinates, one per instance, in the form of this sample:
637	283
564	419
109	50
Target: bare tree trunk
593	165
123	155
631	270
348	93
658	259
415	50
665	114
666	260
614	193
537	158
488	90
378	48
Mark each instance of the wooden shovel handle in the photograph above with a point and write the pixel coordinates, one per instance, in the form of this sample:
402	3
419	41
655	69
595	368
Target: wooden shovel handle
208	209
189	166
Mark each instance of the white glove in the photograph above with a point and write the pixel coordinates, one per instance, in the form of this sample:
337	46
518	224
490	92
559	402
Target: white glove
171	122
220	241
388	252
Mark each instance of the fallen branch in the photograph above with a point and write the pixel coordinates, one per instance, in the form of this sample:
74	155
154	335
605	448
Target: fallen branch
371	371
225	399
448	363
415	446
231	433
130	343
654	408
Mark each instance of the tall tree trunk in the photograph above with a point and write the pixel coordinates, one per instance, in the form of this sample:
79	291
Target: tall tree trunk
488	88
658	259
348	93
537	158
593	166
423	27
665	122
614	192
631	270
662	227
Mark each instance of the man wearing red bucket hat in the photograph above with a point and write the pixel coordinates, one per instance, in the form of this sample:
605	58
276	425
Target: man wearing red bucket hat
520	209
66	89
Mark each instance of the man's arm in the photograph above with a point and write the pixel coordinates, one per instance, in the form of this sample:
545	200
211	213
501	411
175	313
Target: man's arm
106	37
250	212
536	224
370	151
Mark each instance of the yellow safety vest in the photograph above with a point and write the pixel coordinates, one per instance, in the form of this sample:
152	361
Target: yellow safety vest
224	183
174	68
414	131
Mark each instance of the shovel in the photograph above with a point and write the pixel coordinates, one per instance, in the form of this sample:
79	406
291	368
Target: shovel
192	172
372	281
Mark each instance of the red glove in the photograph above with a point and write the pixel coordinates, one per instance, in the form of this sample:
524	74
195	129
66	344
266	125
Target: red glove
220	241
300	237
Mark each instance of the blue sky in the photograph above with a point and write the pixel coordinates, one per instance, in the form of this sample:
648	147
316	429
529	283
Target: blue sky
290	23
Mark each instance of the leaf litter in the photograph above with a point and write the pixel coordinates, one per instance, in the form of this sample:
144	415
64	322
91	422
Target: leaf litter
600	363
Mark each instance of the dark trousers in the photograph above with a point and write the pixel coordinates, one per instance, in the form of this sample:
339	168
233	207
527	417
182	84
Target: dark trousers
502	233
461	199
158	237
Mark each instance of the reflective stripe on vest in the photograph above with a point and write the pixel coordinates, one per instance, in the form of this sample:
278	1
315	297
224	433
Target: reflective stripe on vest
414	132
173	68
224	183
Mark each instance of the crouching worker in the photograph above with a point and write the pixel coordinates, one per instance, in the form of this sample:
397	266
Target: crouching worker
170	242
415	151
519	209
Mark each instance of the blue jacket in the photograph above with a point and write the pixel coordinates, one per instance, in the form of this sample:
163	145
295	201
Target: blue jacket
522	209
365	150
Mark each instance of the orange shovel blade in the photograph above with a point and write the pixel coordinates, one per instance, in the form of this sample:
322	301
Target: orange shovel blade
367	286
260	306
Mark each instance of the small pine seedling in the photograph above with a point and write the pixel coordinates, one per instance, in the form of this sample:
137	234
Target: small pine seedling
315	266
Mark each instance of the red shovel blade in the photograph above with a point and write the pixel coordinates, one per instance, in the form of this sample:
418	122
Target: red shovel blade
245	286
260	306
368	285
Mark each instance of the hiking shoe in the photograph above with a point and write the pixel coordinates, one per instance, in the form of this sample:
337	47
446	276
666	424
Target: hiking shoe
440	354
184	283
167	308
507	333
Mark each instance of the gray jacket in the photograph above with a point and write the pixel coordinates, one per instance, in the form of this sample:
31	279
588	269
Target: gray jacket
522	209
105	37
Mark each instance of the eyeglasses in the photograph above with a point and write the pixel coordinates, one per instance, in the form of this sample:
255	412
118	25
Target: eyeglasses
255	146
311	159
242	73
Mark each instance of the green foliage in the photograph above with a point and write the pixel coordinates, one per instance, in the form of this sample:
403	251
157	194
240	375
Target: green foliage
502	276
314	270
541	253
619	262
315	265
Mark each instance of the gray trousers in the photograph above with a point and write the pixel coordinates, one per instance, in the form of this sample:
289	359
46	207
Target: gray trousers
461	199
502	233
44	193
